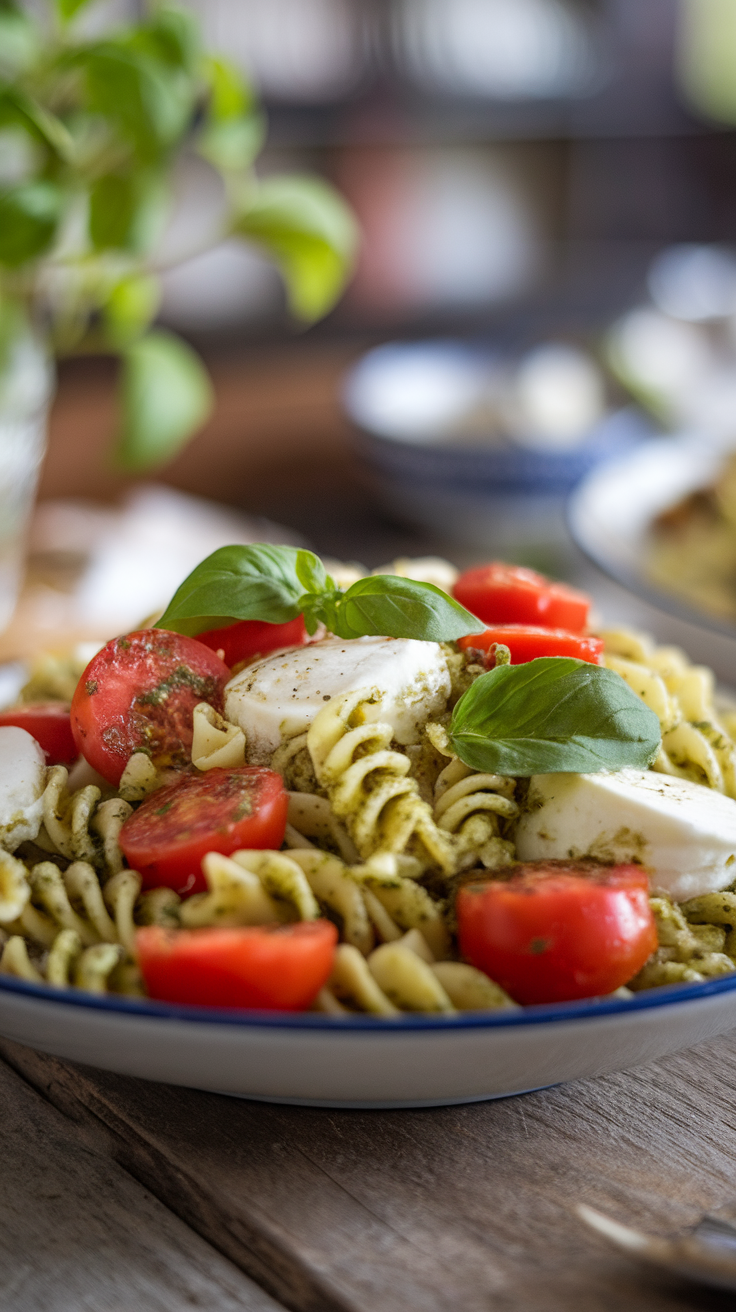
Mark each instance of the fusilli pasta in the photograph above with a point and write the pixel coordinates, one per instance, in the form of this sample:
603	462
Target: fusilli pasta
471	806
371	901
697	940
695	744
369	786
404	976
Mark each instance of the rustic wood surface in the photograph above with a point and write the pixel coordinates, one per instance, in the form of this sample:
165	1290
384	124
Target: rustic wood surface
77	1232
464	1208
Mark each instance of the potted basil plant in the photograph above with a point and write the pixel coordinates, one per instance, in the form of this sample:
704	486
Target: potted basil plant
91	131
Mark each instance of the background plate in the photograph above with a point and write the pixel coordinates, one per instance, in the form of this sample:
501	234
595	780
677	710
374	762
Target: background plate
609	516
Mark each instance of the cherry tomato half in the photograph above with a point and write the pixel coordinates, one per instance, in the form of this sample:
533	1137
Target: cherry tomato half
558	930
140	691
280	968
510	594
50	724
220	811
527	641
248	640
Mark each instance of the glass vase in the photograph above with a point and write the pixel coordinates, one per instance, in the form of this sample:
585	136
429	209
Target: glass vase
26	390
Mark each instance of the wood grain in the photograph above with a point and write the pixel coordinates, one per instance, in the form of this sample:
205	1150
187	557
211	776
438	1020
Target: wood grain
77	1232
467	1208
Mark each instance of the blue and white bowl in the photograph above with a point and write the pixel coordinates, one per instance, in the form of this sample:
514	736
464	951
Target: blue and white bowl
406	400
362	1061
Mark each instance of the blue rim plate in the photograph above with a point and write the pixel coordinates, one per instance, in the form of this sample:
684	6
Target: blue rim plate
364	1061
412	1061
583	1009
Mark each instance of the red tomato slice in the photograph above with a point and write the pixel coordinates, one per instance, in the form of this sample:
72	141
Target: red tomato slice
248	640
558	930
220	811
50	724
510	594
280	968
140	691
526	642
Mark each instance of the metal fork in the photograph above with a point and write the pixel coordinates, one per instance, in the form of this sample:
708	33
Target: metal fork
704	1252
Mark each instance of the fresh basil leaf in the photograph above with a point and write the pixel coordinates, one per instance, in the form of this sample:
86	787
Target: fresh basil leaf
165	396
128	211
171	36
275	584
310	572
307	228
66	9
233	130
230	95
553	714
148	102
232	144
395	607
130	307
19	40
18	107
113	200
29	214
257	582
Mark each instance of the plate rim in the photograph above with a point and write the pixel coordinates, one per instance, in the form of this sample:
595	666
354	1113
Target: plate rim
584	1009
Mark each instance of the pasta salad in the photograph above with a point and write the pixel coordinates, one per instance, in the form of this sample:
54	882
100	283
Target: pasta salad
368	793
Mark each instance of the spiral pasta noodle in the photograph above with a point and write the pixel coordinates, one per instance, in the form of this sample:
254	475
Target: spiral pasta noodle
292	761
696	745
403	976
697	940
215	742
311	816
369	785
61	924
67	817
67	963
374	901
74	899
472	805
78	826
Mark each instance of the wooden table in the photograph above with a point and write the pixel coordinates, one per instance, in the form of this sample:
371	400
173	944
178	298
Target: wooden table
118	1195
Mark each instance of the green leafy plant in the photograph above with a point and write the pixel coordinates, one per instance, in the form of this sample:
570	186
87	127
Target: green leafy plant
91	130
275	584
553	714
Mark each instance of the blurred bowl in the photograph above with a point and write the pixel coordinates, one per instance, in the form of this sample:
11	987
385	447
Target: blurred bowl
610	516
430	428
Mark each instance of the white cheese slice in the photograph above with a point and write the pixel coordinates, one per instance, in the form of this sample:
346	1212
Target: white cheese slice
22	781
280	696
684	833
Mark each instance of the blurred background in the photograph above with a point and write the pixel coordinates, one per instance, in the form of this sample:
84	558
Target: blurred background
547	188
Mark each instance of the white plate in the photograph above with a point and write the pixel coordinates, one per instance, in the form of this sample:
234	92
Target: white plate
610	515
362	1061
413	1061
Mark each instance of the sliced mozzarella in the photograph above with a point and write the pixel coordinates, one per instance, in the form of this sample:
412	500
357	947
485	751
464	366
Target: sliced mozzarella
280	696
684	833
22	779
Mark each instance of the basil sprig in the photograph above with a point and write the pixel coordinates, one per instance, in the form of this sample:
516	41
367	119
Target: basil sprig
553	714
275	584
